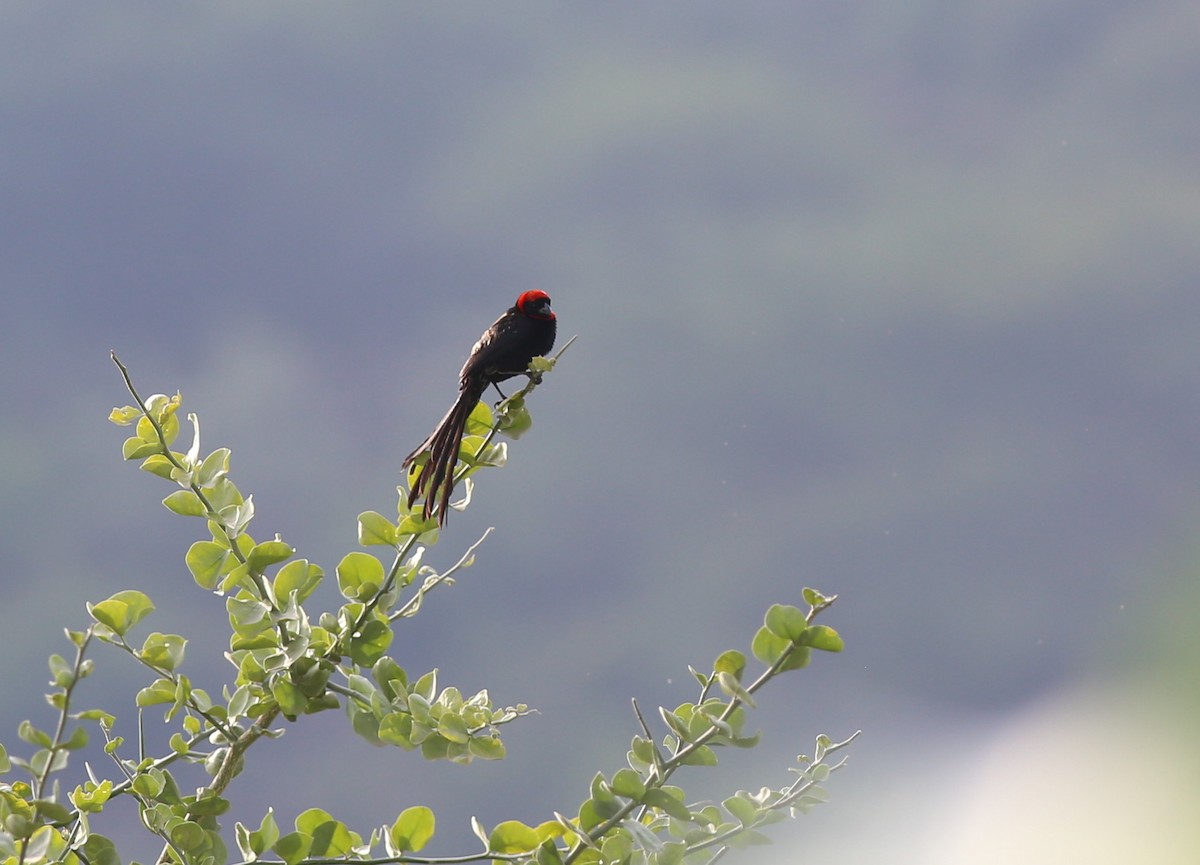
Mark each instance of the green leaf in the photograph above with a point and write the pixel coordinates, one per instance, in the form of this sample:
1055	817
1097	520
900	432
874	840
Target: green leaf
815	599
702	756
62	674
374	529
426	686
147	433
189	836
125	415
469	447
591	816
52	811
266	835
493	455
145	430
367	725
731	662
45	760
249	616
371	643
238	576
600	790
359	576
135	448
769	648
413	524
91	797
390	676
223	494
486	747
797	659
206	561
235	517
31	734
148	785
515	419
747	838
185	503
214	467
453	728
209	805
664	801
311	675
742	809
293	847
822	638
99	850
183	690
548	853
786	621
299	576
512	836
121	611
159	691
733	688
268	553
629	784
643	749
163	651
158	464
330	838
321	702
241	837
395	728
290	698
675	722
160	406
479	421
412	829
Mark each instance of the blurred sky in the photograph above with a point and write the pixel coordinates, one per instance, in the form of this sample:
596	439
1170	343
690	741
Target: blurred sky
895	300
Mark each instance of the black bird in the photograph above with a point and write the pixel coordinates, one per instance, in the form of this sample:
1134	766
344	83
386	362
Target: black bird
525	331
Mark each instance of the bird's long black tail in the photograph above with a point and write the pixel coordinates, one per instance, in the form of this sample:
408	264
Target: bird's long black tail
436	479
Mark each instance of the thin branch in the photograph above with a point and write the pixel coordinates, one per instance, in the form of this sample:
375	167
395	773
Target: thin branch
637	710
439	578
791	794
678	759
56	745
210	511
388	583
172	677
144	806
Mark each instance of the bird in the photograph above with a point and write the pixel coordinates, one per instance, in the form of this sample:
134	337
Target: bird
526	330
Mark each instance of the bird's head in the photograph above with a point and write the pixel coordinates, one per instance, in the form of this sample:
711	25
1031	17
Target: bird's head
535	304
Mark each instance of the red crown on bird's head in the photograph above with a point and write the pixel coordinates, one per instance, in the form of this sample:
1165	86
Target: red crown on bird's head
535	304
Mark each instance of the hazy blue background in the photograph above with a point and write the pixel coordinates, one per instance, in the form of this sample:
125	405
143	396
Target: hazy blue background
895	300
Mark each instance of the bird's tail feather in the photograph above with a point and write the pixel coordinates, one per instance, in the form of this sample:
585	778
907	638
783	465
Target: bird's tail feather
435	481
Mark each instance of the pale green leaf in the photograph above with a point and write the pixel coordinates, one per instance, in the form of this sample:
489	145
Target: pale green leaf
185	503
412	829
122	611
